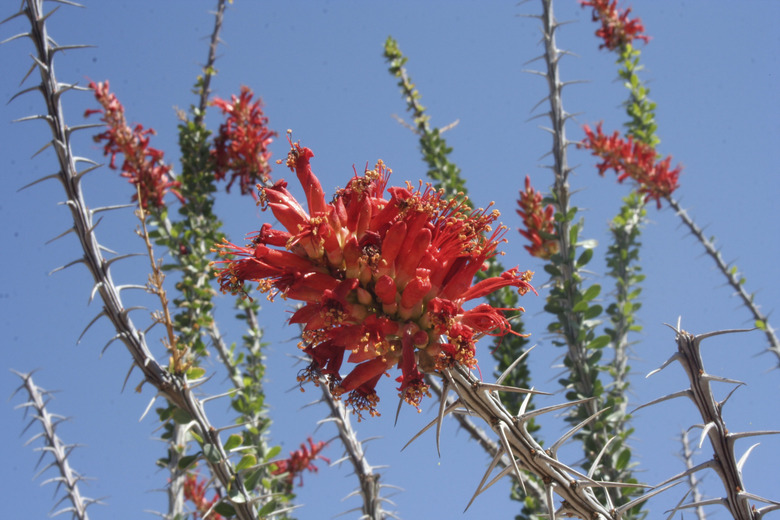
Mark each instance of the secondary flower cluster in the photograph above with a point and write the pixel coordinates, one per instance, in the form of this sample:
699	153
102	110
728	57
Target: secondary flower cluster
539	222
634	159
241	146
302	459
143	165
383	281
616	29
195	492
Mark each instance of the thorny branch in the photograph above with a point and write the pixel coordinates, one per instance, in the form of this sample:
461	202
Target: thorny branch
174	387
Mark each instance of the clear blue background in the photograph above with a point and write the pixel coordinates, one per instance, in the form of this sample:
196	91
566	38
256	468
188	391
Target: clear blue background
712	68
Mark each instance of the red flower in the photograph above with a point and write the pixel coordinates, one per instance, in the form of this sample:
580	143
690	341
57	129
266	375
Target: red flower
302	459
195	492
143	165
616	29
539	222
633	159
383	281
241	147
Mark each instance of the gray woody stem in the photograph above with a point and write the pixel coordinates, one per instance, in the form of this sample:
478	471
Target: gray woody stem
173	387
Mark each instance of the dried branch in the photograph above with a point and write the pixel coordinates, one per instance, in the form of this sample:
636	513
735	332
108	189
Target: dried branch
68	478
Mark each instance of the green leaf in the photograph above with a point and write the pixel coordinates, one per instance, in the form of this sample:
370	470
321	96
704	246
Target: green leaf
273	452
236	496
585	257
233	441
247	461
623	459
591	292
580	306
179	416
592	312
225	509
253	478
760	325
267	509
212	453
187	461
599	342
195	372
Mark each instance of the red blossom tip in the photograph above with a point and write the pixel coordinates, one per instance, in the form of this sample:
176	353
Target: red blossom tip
143	165
616	30
539	222
634	159
241	145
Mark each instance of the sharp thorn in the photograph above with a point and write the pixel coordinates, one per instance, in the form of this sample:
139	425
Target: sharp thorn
554	448
109	262
100	314
18	13
490	469
514	364
709	377
744	457
118	336
682	393
398	411
671	516
625	507
501	427
596	461
702	337
127	378
148	406
706	464
524	404
21	92
440	416
756	497
449	409
501	388
85	171
78	261
69	230
705	429
546	409
734	436
109	208
33	183
722	403
676	356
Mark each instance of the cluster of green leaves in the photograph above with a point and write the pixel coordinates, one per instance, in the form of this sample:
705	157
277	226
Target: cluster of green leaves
641	111
189	241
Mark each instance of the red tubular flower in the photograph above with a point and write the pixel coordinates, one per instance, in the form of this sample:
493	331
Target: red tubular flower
195	492
302	459
616	29
143	165
241	147
539	222
384	280
633	159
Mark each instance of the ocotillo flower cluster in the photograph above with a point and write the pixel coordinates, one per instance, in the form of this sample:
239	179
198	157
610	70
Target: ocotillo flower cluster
383	281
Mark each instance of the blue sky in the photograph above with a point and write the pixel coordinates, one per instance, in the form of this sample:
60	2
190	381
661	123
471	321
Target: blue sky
713	71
